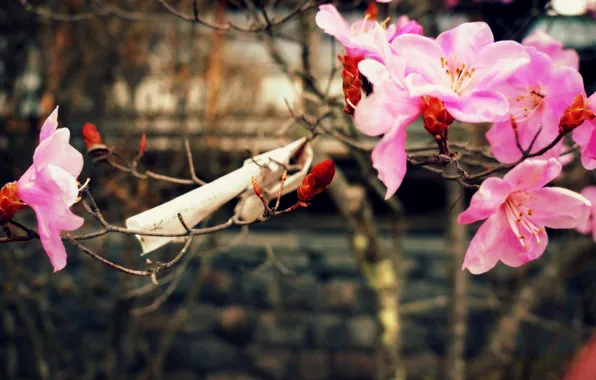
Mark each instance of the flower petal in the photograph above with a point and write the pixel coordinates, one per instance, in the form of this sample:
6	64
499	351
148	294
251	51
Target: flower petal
49	126
556	207
501	139
513	253
587	226
423	56
331	21
50	238
496	62
533	173
479	107
56	150
465	40
486	201
481	255
390	160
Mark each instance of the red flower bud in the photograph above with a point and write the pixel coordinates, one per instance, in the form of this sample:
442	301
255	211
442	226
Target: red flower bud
92	136
575	115
142	144
317	180
9	202
436	118
352	82
371	13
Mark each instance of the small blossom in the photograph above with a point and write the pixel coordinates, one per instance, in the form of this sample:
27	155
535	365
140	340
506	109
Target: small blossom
517	208
9	202
91	135
461	68
538	94
589	225
582	112
550	46
49	187
317	181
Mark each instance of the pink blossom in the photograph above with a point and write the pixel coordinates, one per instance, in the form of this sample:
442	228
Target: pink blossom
517	208
461	68
357	38
538	94
589	225
550	46
585	136
387	111
49	187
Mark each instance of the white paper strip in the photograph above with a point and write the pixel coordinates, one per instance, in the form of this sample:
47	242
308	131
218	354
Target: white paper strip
197	204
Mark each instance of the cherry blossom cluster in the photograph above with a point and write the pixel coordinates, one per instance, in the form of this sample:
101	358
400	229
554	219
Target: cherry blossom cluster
531	93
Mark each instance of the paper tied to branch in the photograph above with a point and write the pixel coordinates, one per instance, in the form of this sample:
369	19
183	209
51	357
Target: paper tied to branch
199	203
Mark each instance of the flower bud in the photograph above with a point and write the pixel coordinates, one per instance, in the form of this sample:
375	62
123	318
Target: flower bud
317	180
9	202
575	115
371	13
92	136
436	118
142	144
352	82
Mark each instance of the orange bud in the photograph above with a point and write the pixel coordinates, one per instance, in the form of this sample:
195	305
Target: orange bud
92	136
142	144
353	82
317	180
436	117
575	115
371	13
9	202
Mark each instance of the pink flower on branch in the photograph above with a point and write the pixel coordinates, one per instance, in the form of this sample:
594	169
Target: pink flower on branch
461	68
387	111
50	188
357	38
517	208
547	44
589	225
538	95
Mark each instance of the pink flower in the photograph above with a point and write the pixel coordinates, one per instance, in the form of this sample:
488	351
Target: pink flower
461	68
387	111
589	225
49	187
550	46
538	94
357	38
585	134
517	208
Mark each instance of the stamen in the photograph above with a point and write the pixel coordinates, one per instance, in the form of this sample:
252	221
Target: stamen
84	186
518	217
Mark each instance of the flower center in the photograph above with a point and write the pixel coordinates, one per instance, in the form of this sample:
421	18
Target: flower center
459	73
526	104
519	218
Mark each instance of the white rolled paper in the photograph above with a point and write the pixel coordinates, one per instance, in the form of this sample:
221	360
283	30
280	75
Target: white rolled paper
199	203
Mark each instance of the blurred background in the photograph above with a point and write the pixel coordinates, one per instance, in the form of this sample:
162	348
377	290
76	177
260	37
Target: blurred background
351	288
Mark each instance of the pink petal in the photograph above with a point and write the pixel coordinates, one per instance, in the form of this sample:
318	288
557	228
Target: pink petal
50	239
496	62
587	226
423	56
479	107
533	173
373	115
56	150
486	201
513	254
501	139
419	86
390	160
481	255
556	207
379	45
465	40
568	57
330	20
544	42
49	126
